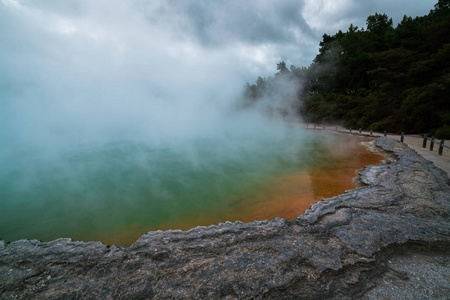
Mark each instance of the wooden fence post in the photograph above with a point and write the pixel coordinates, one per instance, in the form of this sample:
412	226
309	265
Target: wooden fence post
441	147
402	138
432	143
424	144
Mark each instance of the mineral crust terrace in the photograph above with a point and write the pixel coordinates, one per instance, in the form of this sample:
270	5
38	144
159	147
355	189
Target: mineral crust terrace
336	249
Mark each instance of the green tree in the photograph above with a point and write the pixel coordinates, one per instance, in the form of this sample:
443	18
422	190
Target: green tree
380	31
443	4
281	66
379	24
384	78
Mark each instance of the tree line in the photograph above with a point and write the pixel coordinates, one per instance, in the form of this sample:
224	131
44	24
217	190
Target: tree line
380	78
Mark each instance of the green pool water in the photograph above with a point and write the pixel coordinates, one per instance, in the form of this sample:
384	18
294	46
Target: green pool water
93	190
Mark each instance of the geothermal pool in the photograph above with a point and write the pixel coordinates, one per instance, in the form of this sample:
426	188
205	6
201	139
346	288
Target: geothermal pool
117	190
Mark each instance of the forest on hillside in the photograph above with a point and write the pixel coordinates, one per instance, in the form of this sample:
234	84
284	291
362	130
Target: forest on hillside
380	78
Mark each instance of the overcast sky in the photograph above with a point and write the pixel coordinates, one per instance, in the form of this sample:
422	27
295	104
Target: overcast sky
68	67
251	35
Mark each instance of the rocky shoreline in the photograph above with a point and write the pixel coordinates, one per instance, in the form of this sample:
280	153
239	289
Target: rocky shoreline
344	247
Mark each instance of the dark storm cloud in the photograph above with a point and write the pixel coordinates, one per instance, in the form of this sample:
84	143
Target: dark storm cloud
256	22
261	32
284	30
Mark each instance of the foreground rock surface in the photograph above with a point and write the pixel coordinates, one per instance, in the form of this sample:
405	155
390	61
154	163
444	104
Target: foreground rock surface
345	247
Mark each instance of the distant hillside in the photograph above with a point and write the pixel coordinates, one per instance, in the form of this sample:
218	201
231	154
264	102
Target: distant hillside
381	77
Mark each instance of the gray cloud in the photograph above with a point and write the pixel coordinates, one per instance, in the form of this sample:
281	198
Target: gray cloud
396	9
326	16
218	23
268	31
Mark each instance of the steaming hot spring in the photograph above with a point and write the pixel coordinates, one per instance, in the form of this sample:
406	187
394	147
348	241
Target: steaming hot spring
116	189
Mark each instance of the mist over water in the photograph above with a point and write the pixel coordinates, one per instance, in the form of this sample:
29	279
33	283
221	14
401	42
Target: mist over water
112	122
90	188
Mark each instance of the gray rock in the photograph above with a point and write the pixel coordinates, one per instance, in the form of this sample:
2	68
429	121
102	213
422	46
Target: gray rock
339	248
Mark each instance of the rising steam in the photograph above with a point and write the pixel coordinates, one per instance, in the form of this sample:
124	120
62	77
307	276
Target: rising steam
104	108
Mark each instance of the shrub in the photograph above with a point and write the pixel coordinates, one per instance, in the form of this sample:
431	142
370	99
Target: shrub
443	132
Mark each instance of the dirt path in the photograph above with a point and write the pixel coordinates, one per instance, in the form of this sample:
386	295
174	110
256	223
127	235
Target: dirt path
415	143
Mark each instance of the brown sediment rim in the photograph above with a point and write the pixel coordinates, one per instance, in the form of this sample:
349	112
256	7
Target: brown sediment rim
285	195
289	195
342	247
415	142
